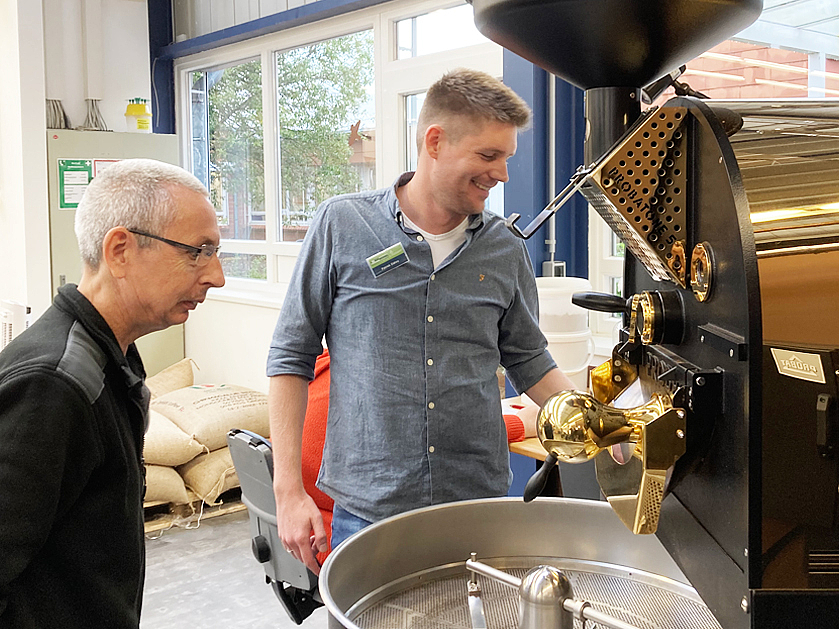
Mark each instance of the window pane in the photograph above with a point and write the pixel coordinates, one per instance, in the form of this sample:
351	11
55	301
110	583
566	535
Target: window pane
326	121
413	104
441	30
618	249
244	265
227	146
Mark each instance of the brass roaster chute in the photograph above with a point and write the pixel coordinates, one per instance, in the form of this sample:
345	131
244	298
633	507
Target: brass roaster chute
634	448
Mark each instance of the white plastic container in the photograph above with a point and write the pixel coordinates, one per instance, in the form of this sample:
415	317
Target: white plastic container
566	326
573	353
557	315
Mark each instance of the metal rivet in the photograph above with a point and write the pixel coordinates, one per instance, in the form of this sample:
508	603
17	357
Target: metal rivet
680	434
731	353
744	605
745	552
702	338
617	377
700	381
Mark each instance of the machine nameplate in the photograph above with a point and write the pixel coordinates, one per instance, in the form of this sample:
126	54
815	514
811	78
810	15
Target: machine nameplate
799	365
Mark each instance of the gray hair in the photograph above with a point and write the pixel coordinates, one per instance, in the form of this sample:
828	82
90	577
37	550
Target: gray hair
132	193
471	95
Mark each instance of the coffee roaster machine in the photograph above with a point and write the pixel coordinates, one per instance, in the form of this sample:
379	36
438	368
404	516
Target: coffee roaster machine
713	427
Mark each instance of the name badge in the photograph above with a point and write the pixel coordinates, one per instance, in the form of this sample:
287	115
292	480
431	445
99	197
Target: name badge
387	259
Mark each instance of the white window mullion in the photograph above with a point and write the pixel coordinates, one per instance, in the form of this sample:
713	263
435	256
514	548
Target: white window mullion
271	155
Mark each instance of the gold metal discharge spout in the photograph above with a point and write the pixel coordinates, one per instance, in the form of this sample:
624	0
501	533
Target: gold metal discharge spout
644	442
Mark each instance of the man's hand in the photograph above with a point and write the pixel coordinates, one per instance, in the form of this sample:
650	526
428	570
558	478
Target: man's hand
297	518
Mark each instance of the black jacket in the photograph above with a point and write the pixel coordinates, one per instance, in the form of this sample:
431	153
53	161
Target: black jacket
72	417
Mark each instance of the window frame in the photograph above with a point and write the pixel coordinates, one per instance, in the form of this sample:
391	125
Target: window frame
394	78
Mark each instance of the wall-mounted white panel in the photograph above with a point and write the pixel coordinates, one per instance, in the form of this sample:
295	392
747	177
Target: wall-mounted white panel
242	11
270	7
222	15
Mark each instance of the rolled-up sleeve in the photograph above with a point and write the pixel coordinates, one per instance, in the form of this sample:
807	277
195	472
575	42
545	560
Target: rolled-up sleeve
307	306
522	344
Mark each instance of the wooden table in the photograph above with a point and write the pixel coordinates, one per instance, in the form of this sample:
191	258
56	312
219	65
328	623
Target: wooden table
529	447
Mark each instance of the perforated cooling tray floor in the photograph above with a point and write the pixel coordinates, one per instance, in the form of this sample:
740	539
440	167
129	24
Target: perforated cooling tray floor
437	599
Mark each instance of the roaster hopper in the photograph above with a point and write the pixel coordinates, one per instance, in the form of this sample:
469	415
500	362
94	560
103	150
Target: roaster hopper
726	462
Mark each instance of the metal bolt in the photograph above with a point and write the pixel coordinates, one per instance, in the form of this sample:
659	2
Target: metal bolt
745	552
700	381
680	433
720	159
702	338
731	353
617	377
680	414
618	364
744	605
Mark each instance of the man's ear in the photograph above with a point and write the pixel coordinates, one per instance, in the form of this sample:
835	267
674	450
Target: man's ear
118	248
432	139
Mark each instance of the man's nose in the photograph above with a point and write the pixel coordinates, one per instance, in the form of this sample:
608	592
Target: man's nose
500	172
213	273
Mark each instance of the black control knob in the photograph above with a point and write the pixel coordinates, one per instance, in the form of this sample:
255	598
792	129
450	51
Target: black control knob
261	549
601	302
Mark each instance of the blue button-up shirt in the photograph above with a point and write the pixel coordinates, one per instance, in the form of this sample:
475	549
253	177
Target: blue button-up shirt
414	408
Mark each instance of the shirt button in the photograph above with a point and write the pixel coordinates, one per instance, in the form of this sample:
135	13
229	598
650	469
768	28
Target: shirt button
431	405
431	449
430	362
419	238
430	318
433	277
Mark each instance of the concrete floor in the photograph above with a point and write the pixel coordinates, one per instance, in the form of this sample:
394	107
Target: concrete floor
207	577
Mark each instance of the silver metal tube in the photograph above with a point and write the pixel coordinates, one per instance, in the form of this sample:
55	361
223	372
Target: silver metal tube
492	573
584	611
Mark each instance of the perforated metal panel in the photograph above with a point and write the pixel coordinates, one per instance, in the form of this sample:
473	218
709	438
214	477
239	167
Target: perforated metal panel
640	191
437	600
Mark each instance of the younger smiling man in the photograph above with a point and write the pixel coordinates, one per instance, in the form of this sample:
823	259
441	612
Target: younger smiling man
73	404
420	293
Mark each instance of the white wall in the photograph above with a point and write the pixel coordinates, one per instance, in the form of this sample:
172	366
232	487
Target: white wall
124	63
229	342
24	224
25	57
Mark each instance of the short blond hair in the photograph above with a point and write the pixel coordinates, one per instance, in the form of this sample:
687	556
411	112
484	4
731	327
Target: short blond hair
465	95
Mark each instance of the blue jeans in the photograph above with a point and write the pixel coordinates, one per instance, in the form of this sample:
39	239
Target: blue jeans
345	524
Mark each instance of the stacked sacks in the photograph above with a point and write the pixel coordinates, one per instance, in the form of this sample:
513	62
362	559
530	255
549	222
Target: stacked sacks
206	413
194	420
166	446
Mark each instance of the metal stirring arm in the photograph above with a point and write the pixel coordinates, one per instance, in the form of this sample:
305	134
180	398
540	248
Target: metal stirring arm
578	180
476	603
577	609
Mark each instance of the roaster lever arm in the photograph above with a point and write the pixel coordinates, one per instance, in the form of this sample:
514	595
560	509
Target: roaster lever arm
577	181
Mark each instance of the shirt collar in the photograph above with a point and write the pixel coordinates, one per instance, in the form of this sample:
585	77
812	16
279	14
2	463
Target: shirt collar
475	221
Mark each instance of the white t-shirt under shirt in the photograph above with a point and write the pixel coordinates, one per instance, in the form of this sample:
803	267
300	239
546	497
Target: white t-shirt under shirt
441	244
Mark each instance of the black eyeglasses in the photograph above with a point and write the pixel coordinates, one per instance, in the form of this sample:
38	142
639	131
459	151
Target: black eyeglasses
201	254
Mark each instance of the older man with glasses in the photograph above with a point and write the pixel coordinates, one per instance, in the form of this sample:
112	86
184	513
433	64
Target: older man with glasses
73	403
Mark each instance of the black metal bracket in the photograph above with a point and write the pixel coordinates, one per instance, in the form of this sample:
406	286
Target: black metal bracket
826	422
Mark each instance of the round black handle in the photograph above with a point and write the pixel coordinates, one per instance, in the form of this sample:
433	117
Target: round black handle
537	482
601	302
261	549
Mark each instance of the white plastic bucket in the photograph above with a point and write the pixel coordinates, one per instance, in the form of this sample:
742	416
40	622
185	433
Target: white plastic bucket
573	353
557	315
